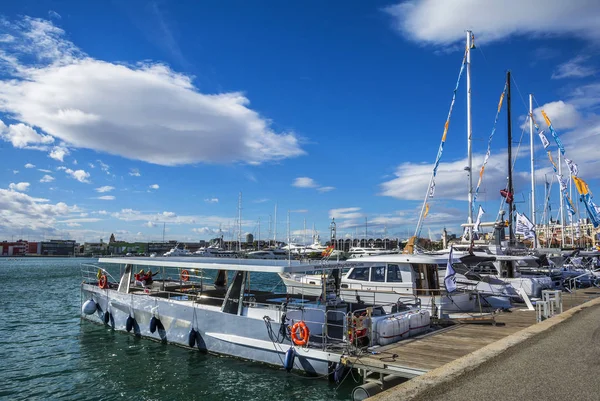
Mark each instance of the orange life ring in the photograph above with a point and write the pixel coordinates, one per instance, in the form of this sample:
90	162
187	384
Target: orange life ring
185	275
300	333
103	281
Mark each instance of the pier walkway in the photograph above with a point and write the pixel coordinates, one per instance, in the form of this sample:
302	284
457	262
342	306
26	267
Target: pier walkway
418	356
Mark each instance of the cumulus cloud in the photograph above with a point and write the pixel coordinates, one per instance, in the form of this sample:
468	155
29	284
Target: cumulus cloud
205	231
106	188
443	22
105	197
79	175
47	178
29	165
58	153
21	186
23	136
154	186
574	68
19	211
93	104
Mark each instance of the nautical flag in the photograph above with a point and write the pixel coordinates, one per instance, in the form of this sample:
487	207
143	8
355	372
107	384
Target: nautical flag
592	209
478	221
572	167
562	182
553	132
544	140
524	226
450	277
581	186
426	210
507	195
432	189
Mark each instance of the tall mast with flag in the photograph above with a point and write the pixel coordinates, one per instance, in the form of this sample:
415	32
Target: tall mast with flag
469	168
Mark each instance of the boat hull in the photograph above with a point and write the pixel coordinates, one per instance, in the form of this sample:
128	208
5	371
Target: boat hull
220	333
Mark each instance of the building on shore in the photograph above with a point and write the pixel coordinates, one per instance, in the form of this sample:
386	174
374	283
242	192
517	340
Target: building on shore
57	247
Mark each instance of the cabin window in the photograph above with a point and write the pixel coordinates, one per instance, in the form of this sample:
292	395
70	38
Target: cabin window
378	274
359	273
393	274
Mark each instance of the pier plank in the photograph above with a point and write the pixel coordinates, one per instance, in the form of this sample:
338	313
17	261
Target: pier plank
439	348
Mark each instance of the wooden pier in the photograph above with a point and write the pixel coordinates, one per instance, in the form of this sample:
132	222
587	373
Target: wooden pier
417	356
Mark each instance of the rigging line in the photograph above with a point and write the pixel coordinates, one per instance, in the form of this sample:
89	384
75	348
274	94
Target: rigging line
520	94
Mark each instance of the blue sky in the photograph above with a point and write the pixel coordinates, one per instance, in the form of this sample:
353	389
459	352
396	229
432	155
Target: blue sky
121	116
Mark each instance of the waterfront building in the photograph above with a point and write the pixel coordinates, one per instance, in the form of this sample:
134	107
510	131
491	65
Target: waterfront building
58	247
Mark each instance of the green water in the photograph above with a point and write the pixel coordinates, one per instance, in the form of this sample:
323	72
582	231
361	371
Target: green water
48	353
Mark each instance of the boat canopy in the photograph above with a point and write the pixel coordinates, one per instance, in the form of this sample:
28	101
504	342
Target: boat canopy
250	265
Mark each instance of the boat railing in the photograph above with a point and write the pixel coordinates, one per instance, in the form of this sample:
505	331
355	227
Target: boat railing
90	273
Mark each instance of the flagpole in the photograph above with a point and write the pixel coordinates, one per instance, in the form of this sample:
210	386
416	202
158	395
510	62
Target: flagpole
469	132
510	183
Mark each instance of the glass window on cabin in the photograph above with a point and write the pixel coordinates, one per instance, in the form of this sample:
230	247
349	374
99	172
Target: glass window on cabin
394	274
378	274
359	273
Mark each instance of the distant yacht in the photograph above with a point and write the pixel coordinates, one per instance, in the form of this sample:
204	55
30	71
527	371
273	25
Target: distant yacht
274	253
176	251
359	252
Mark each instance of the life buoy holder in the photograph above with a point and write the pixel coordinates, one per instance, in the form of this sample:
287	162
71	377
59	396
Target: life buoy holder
185	275
103	281
300	333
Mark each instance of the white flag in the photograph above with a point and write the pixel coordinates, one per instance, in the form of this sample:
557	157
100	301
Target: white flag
478	221
562	182
545	141
432	189
572	167
524	226
450	277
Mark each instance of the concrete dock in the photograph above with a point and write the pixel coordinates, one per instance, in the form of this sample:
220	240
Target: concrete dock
515	359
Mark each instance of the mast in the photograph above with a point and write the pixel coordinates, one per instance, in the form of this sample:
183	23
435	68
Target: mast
533	217
275	227
469	131
240	223
510	182
258	242
562	205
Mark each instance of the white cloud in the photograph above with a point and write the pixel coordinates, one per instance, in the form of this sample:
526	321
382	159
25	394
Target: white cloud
92	165
150	224
172	218
307	182
44	170
47	178
105	197
75	162
134	172
15	171
79	175
19	211
304	182
154	186
23	136
53	14
443	22
102	103
574	68
106	188
73	224
29	165
205	231
563	115
345	213
21	186
211	200
80	220
104	167
58	153
102	212
262	200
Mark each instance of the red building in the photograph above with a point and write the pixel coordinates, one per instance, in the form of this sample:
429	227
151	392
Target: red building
34	248
18	248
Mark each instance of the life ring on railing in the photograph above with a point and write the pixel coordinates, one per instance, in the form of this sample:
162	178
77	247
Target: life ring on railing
300	333
103	281
185	275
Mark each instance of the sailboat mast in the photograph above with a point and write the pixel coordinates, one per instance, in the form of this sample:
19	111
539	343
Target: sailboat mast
469	130
510	182
531	153
275	226
562	203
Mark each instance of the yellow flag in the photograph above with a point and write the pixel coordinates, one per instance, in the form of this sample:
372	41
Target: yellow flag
546	118
426	210
500	102
445	130
582	187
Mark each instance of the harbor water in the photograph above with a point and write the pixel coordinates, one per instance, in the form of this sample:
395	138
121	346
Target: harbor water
47	352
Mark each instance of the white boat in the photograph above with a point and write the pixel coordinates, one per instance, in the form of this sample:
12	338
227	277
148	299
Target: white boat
359	252
310	334
385	279
176	251
268	254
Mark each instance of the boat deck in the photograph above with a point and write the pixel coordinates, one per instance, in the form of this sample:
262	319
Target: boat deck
417	356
